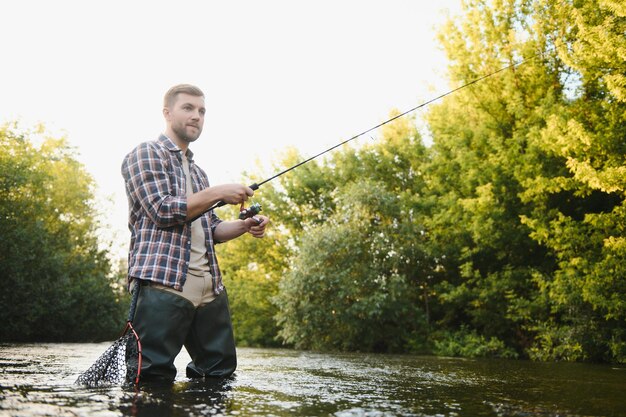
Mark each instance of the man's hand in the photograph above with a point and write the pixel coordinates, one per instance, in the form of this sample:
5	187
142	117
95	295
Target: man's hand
201	201
233	193
256	225
228	230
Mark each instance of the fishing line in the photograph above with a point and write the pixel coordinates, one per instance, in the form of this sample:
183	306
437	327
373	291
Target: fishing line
255	186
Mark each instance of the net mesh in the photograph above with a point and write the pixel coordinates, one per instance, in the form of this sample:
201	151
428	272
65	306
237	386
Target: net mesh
117	365
121	362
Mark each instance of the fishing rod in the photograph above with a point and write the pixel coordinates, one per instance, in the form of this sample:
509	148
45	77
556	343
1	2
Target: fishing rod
256	208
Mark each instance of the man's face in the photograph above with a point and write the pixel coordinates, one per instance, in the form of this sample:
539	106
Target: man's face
186	117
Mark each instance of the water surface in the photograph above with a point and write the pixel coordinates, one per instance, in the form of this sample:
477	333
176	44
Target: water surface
38	380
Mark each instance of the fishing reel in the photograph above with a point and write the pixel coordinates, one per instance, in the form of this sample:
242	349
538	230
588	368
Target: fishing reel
246	213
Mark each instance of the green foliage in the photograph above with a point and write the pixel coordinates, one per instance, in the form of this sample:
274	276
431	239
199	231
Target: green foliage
504	238
482	156
470	344
55	283
579	215
345	290
356	281
530	179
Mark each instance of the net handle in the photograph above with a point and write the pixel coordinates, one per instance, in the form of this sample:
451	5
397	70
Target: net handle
133	301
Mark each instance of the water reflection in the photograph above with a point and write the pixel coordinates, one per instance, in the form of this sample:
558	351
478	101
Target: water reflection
197	397
37	380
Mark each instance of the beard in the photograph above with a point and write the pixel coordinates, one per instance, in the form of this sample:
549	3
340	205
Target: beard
187	133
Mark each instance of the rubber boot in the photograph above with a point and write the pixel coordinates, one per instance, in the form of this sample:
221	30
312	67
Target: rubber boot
210	341
161	320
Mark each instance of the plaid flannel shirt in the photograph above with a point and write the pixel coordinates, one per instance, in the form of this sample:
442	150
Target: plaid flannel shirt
160	242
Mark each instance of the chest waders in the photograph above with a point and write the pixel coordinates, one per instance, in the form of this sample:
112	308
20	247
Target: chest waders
165	322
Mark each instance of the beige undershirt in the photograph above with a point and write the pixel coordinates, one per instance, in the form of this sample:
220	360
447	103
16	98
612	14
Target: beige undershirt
198	260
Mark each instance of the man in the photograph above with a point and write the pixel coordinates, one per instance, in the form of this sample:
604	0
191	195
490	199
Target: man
182	299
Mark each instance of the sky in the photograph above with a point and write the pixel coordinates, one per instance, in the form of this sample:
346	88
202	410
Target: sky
275	73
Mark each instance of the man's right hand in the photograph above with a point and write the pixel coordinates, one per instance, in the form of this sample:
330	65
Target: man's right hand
201	201
233	193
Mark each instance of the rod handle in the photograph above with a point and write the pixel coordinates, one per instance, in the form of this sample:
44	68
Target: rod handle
133	300
254	187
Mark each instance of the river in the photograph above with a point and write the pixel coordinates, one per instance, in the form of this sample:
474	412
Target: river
38	380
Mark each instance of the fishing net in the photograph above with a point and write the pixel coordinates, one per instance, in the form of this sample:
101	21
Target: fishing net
121	362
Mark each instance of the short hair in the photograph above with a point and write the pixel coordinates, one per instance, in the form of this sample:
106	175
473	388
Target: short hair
172	93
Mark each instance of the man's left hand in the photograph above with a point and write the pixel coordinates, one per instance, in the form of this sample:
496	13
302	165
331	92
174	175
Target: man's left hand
256	225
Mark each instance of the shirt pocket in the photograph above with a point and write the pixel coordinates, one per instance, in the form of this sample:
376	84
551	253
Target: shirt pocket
200	182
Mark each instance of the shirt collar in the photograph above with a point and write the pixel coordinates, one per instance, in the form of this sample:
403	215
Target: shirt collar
171	146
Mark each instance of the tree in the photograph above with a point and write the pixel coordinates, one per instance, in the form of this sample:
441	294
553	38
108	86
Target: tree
55	279
482	157
585	229
356	281
528	177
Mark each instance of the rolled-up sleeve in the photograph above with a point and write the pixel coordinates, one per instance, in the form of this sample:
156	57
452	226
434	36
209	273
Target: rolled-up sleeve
214	221
149	183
